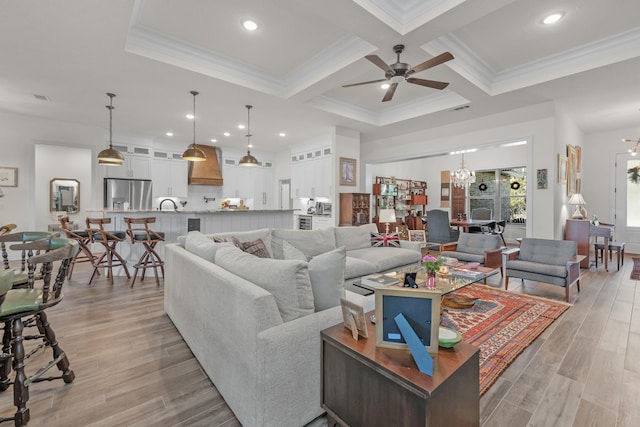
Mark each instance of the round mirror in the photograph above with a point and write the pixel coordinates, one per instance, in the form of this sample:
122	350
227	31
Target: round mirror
64	195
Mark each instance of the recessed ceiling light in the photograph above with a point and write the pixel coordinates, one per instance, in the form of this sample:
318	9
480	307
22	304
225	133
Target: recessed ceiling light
283	134
385	86
213	140
250	145
189	116
226	134
553	18
169	133
249	25
241	126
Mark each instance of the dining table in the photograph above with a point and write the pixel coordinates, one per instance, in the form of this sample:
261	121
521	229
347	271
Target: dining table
465	224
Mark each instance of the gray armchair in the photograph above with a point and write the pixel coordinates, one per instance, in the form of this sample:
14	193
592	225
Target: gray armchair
439	227
549	261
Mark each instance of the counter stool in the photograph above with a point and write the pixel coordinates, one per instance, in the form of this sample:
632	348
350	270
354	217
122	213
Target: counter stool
109	239
617	247
84	240
139	232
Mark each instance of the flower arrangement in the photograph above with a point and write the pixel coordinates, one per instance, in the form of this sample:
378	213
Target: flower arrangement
225	204
431	263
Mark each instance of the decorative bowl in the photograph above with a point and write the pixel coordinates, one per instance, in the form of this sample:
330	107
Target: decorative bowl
473	265
448	337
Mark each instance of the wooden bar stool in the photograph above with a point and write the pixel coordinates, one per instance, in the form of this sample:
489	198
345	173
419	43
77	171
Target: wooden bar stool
84	240
139	232
108	239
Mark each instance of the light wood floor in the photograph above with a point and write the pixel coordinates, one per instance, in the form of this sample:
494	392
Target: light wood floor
133	368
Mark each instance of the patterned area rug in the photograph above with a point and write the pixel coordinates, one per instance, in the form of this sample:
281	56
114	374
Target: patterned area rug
502	324
635	273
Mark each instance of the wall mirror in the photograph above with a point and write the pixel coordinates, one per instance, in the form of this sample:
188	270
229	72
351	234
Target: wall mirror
64	195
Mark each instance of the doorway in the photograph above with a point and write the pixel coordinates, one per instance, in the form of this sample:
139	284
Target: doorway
285	194
627	201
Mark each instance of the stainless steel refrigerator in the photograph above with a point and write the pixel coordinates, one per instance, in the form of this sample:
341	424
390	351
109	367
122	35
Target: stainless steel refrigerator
135	194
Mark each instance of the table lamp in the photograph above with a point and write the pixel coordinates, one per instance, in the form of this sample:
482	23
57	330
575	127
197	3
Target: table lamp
577	200
387	216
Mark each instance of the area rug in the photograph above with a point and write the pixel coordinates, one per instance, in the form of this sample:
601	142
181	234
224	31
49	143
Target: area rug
502	324
635	273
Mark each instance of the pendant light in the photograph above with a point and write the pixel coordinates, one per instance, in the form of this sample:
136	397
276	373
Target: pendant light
110	156
463	176
248	160
193	153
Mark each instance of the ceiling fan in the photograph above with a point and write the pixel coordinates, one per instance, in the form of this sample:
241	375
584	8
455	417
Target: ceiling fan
399	71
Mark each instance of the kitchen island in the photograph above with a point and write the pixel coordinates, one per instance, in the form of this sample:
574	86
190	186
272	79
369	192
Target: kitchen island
176	223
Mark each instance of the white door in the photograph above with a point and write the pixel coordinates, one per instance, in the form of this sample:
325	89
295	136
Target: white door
627	203
285	195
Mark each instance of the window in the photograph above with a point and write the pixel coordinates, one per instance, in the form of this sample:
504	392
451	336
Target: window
633	193
503	191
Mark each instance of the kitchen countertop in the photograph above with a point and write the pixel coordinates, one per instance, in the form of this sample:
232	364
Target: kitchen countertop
188	211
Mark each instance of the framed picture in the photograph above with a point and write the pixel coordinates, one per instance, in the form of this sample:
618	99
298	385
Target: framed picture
354	320
419	306
8	177
571	170
562	169
541	178
417	236
347	171
578	159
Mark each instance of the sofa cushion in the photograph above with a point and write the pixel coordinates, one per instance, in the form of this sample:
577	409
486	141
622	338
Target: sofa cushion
309	242
287	280
536	267
327	278
390	240
355	237
291	252
475	243
463	256
201	245
230	239
386	258
356	267
256	248
547	251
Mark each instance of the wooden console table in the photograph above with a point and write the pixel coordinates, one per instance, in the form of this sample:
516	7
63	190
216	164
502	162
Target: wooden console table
365	385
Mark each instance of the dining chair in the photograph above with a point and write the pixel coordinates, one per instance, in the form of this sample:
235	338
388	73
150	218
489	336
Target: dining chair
20	276
25	308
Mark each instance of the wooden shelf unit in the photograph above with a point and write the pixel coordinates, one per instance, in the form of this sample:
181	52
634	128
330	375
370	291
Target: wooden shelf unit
355	208
403	195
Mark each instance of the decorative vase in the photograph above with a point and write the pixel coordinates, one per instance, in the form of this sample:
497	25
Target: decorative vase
431	279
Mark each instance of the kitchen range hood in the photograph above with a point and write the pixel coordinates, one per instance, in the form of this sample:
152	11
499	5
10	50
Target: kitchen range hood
207	172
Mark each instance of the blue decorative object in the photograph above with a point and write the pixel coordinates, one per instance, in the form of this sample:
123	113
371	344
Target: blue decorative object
420	354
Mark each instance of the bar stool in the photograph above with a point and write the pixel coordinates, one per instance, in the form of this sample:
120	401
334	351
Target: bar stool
617	247
139	232
109	239
84	240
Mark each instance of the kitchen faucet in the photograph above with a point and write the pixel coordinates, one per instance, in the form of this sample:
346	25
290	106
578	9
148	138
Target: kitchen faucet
175	207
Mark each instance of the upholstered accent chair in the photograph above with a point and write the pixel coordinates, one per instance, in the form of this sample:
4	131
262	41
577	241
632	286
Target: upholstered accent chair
482	248
439	227
545	260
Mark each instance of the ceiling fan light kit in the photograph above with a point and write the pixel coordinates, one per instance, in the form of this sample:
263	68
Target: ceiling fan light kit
193	153
110	156
633	150
400	71
248	159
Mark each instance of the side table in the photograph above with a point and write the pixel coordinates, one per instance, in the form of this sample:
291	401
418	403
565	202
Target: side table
365	385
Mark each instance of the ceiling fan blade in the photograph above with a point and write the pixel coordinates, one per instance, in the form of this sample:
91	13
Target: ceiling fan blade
631	140
365	83
436	60
428	83
380	63
390	92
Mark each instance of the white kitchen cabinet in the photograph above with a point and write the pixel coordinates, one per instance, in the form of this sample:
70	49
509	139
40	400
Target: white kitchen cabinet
136	165
312	173
169	175
318	222
255	183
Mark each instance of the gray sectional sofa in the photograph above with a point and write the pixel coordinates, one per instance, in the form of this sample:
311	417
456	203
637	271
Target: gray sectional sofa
254	323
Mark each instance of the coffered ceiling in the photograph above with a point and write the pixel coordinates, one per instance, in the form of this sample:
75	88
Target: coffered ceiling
292	69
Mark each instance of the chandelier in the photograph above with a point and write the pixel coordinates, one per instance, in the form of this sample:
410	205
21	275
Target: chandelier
463	176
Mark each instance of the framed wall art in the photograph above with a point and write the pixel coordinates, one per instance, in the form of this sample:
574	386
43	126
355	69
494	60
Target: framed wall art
347	171
571	170
8	177
562	169
541	178
417	236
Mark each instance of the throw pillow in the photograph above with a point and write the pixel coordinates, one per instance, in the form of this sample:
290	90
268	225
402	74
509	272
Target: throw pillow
199	244
287	280
327	278
256	248
291	252
231	239
390	240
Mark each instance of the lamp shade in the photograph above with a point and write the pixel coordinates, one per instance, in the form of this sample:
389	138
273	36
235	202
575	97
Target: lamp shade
576	199
387	215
